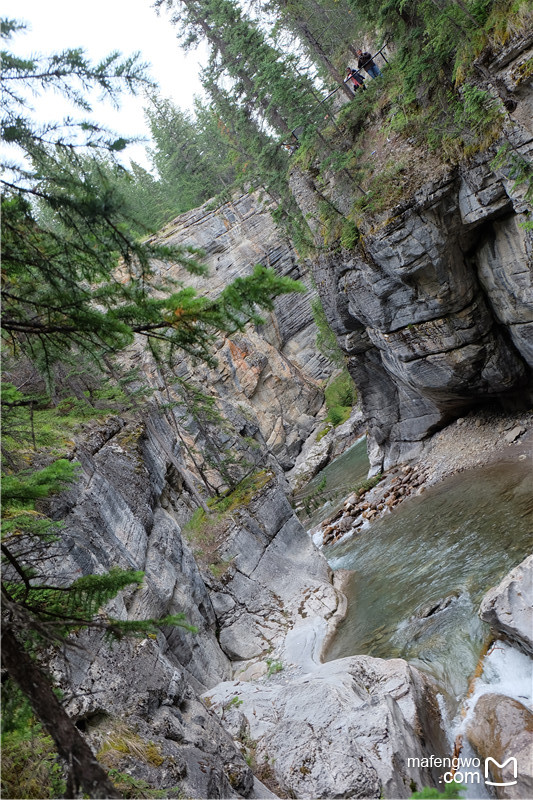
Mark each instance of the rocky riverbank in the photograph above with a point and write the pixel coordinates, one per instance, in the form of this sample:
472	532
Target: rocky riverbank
479	438
343	728
263	605
499	725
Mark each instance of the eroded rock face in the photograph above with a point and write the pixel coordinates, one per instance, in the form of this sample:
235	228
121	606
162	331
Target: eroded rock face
421	317
235	237
319	449
502	728
508	607
142	717
508	285
114	517
138	700
435	310
277	578
351	724
270	374
344	730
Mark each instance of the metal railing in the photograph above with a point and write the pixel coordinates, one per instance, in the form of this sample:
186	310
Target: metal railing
293	143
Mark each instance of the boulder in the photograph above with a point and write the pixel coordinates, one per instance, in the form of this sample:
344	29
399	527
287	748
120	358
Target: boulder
345	729
502	728
515	434
508	607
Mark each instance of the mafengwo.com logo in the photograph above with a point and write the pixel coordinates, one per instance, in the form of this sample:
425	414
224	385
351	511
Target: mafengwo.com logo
470	771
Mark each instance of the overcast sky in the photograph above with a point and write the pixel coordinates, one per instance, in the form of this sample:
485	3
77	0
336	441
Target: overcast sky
99	27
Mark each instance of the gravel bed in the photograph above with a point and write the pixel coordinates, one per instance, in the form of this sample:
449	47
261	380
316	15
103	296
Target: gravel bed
481	437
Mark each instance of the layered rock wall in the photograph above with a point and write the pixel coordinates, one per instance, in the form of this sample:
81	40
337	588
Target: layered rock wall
271	373
138	700
434	307
276	579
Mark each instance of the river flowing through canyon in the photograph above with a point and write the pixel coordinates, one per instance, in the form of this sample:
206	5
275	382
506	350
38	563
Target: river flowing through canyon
420	573
326	492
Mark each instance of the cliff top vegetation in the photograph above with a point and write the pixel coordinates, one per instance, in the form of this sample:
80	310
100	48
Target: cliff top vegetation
268	87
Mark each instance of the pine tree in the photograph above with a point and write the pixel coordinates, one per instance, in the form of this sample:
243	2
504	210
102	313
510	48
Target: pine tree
77	280
190	155
262	77
261	164
297	17
256	91
333	24
145	196
65	226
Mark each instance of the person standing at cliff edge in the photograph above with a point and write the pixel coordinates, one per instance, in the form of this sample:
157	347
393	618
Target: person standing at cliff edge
364	61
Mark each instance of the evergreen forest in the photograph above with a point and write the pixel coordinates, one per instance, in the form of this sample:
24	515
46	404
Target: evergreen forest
81	285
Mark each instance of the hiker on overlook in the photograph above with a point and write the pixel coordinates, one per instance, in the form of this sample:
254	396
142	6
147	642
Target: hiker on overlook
356	78
364	61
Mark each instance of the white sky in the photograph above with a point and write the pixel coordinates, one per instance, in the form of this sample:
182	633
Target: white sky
100	27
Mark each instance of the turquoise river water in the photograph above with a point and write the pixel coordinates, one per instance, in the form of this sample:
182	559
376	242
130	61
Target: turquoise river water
454	541
327	490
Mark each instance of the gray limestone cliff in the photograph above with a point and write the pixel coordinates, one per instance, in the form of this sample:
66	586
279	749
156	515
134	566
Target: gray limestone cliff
128	510
434	307
138	701
270	373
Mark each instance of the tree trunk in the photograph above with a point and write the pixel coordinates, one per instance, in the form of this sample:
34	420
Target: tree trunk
86	772
272	115
314	45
